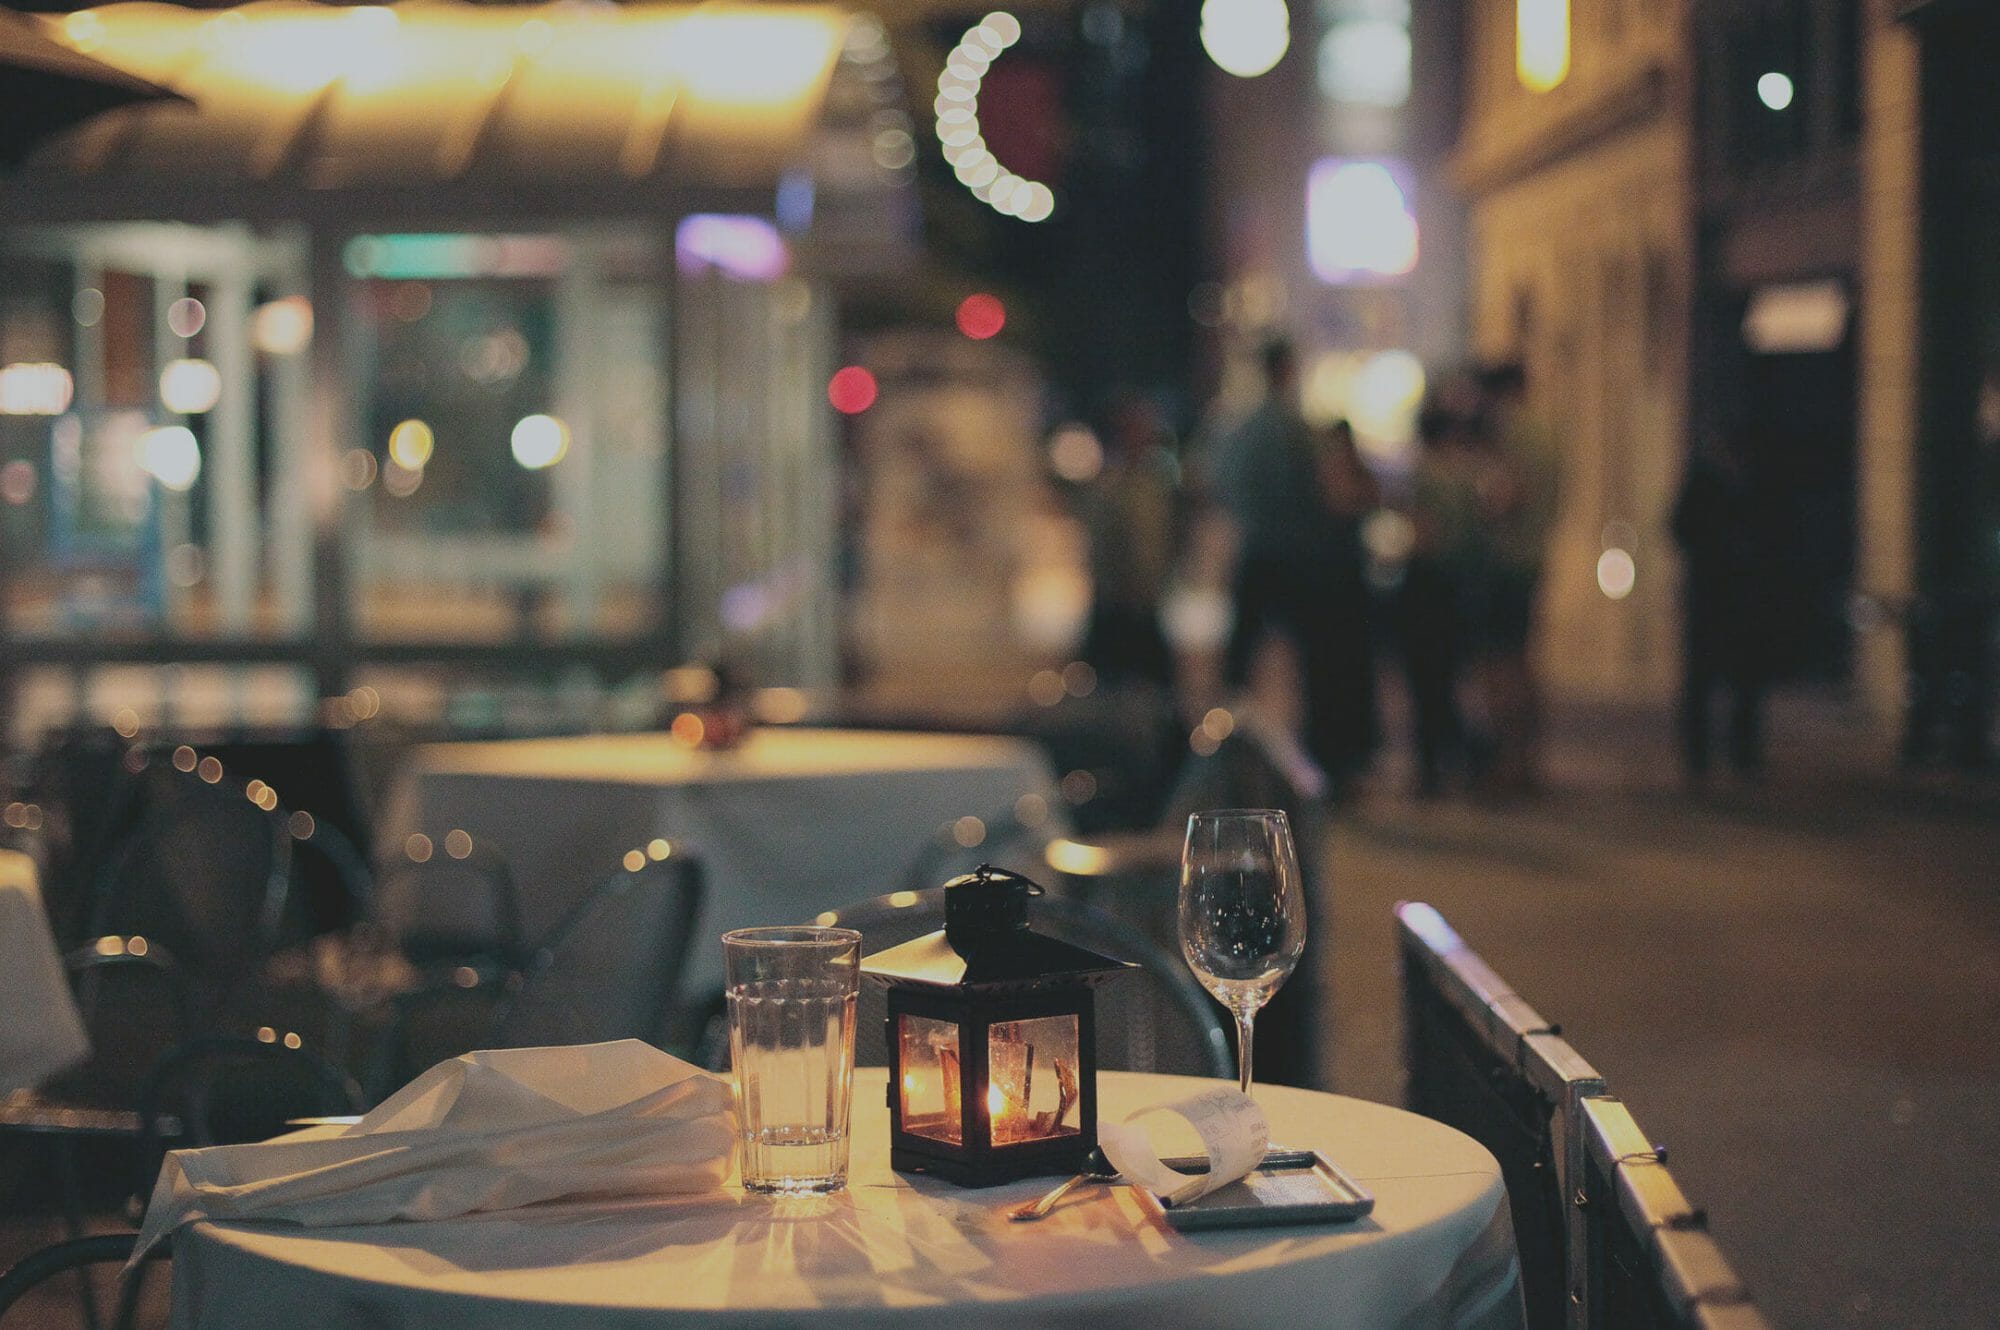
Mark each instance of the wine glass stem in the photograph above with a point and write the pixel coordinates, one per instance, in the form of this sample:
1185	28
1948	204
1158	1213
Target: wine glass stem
1244	1043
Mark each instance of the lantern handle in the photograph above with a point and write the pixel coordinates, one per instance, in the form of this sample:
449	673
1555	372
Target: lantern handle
988	874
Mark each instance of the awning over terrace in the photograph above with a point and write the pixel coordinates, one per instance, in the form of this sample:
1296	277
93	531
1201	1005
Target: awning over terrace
571	108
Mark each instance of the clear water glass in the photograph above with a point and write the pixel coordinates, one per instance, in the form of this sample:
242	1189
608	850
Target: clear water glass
792	997
1242	912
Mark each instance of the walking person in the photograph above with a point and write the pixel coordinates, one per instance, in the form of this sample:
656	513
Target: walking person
1726	532
1296	501
1520	496
1447	556
1131	511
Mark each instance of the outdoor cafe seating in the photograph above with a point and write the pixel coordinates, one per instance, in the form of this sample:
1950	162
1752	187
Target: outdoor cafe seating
1512	1189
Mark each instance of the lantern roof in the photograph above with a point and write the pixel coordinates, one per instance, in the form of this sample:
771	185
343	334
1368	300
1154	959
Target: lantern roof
986	942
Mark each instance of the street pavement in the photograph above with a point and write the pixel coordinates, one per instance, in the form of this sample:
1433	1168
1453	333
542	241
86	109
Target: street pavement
1795	985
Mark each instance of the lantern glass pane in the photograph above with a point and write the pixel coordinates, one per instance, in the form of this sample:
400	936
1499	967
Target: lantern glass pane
1034	1079
929	1058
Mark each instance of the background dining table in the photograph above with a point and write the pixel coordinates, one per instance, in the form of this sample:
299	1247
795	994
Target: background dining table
41	1032
893	1250
790	823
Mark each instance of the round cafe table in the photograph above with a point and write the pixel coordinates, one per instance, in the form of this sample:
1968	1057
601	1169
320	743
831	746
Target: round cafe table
1438	1251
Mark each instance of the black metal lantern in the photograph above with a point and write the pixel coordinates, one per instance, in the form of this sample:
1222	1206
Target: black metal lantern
992	1040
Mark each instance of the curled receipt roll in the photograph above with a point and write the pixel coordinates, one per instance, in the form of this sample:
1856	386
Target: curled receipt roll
1233	1134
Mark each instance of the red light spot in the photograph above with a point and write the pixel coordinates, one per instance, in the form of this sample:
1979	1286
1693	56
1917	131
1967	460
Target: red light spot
851	390
980	316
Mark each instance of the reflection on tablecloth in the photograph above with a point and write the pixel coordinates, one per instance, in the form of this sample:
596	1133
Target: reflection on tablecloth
40	1030
898	1251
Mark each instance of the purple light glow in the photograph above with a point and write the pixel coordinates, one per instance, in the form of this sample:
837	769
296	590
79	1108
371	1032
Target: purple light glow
1359	224
746	248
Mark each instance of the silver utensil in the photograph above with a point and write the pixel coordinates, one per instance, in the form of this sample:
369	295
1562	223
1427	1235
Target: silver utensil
1037	1209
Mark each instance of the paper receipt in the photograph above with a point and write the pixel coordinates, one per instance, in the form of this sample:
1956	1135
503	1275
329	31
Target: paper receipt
1233	1132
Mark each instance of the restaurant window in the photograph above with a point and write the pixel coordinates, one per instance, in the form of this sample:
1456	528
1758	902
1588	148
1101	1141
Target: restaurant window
508	474
150	417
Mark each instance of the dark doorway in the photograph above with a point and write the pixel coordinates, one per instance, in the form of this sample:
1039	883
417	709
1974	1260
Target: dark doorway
1799	419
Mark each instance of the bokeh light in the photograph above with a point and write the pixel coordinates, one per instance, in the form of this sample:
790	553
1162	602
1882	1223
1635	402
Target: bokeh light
540	441
357	469
1541	43
1359	223
400	481
1365	62
282	327
190	387
736	245
1617	574
980	316
186	317
1075	453
411	444
852	390
35	388
1775	90
170	455
18	481
957	108
1246	37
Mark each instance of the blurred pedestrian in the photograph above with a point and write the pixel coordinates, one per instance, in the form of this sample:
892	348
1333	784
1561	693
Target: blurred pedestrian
1296	499
1448	555
1520	495
1730	537
1131	510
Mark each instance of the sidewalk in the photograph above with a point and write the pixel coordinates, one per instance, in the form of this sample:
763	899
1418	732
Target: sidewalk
1795	985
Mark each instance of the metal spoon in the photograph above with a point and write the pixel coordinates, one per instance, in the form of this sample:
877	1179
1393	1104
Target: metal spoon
1101	1171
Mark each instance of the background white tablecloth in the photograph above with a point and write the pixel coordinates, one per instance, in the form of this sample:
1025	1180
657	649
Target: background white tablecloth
792	823
40	1030
1438	1252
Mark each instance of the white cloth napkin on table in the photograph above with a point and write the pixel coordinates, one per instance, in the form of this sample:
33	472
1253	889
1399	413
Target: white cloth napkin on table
486	1131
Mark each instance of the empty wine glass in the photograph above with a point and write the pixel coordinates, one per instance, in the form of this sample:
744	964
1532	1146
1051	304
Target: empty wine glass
1242	912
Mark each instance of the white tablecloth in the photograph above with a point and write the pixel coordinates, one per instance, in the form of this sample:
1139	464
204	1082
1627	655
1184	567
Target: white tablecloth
792	823
1437	1254
40	1030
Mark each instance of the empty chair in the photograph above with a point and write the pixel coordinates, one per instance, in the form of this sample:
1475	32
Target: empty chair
21	1287
610	970
136	1004
314	770
1652	1264
1155	1018
89	792
207	871
1482	1060
451	908
223	1090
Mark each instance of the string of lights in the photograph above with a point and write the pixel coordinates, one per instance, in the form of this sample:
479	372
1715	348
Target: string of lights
958	132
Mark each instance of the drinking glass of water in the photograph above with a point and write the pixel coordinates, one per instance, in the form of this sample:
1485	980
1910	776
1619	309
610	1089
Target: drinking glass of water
1242	912
791	1039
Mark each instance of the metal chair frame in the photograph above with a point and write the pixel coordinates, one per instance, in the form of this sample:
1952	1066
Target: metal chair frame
508	989
1527	1065
78	1254
336	1093
1653	1264
107	893
689	883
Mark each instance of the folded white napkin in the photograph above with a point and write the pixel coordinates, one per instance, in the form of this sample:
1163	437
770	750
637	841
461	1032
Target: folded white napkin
486	1131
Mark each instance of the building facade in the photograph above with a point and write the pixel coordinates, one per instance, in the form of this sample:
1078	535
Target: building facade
1575	158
